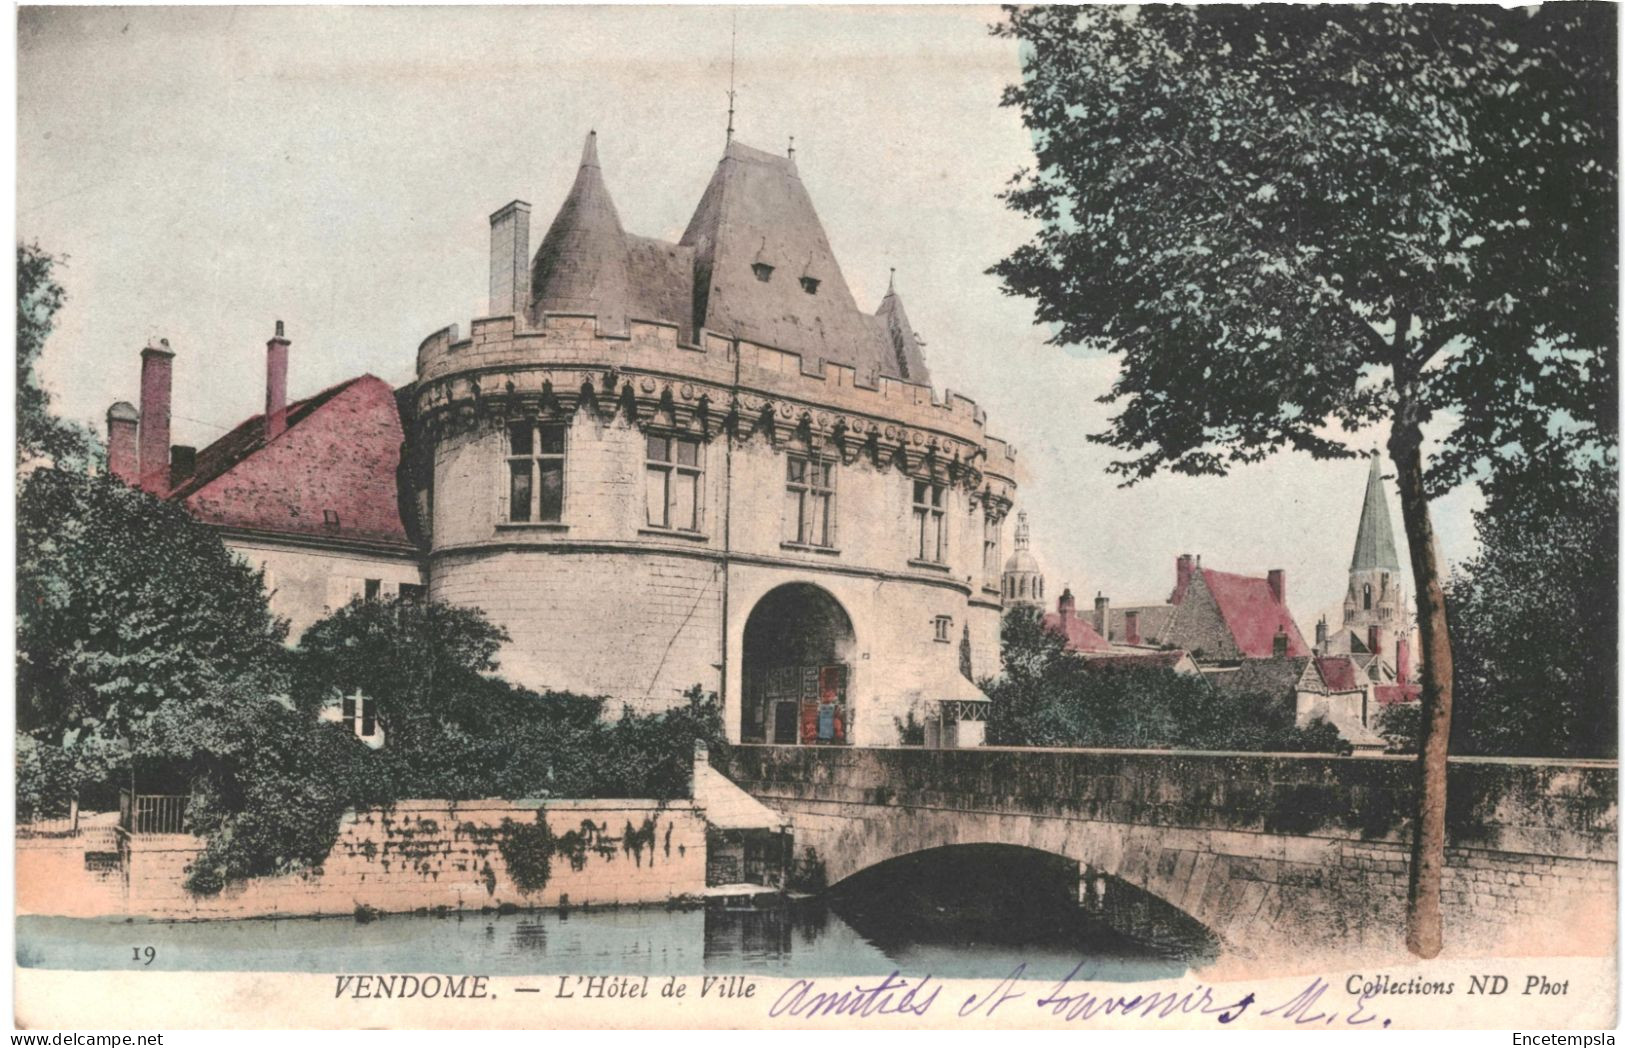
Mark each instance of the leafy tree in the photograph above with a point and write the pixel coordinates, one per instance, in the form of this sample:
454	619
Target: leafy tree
126	604
41	435
1291	221
1401	725
1050	698
1535	616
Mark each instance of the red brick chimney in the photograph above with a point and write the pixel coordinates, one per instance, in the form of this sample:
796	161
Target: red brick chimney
1402	660
123	455
157	374
1067	605
276	385
1278	585
1183	566
1373	636
1131	626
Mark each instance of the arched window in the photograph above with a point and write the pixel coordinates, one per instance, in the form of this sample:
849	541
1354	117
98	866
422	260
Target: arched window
1023	585
1368	596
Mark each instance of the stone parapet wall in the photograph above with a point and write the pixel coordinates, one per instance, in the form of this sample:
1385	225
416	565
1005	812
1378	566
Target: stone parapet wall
1297	859
568	350
455	855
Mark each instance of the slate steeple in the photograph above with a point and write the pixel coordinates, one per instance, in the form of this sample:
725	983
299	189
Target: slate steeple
1374	543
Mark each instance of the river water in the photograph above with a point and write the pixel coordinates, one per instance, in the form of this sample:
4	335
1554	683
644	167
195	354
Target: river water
980	922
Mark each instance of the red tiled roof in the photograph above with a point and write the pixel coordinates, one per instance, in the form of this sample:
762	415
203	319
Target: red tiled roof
338	458
1252	614
1339	672
1394	694
1080	636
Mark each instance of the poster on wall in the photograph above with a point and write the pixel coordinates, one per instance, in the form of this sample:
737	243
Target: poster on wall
1200	611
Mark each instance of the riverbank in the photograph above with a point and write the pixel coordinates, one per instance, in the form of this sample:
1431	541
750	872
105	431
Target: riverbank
428	856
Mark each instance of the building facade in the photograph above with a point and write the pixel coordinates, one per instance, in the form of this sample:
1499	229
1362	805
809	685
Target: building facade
655	465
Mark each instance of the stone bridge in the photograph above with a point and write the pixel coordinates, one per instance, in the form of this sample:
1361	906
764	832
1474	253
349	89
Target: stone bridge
1275	854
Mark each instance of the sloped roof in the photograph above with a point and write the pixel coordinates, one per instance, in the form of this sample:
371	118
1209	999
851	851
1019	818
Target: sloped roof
1339	672
900	335
1374	543
1153	620
581	265
1274	677
1139	661
340	454
756	211
1252	614
1080	635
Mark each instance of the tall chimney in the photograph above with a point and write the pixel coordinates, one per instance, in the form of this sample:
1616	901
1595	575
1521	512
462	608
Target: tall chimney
1277	579
1374	639
1067	605
1183	566
1320	635
510	260
123	456
157	374
276	385
182	462
1131	626
1402	660
1103	615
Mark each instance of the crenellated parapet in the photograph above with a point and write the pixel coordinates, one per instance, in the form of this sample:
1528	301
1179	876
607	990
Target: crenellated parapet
652	378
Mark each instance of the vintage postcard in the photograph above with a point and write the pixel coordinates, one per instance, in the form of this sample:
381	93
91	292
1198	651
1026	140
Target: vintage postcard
865	517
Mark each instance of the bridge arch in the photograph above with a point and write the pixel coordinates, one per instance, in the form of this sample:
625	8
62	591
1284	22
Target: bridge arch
797	667
1012	887
839	848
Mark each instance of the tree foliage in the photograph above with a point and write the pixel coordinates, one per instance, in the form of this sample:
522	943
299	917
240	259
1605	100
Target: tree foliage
40	434
1283	217
125	603
1048	697
1294	220
1536	616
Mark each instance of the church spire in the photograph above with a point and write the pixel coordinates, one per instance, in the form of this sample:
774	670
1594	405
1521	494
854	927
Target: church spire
1374	544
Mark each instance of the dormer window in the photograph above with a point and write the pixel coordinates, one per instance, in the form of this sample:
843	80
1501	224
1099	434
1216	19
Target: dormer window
809	285
763	271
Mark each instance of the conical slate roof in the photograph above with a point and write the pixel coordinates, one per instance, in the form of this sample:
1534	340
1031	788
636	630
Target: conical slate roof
905	344
581	266
1374	545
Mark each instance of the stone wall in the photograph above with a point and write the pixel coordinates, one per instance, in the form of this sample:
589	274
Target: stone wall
307	581
432	854
1277	854
599	603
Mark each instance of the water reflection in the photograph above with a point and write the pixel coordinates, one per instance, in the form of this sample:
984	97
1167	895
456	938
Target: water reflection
952	916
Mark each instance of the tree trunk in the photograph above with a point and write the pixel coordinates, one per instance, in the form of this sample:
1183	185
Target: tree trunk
1424	922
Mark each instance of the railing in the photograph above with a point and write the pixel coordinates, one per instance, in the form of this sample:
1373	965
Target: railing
144	813
51	823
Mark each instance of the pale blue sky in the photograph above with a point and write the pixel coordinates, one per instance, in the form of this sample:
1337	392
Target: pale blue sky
209	171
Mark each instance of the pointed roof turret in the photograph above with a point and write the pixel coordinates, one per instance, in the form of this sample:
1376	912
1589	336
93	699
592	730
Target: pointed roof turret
905	344
581	265
1374	544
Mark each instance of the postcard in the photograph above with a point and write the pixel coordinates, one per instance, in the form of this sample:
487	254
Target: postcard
867	517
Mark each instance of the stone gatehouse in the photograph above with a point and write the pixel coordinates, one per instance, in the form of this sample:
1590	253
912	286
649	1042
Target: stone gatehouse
655	465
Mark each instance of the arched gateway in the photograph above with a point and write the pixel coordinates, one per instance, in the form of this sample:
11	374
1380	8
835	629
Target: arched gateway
798	668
